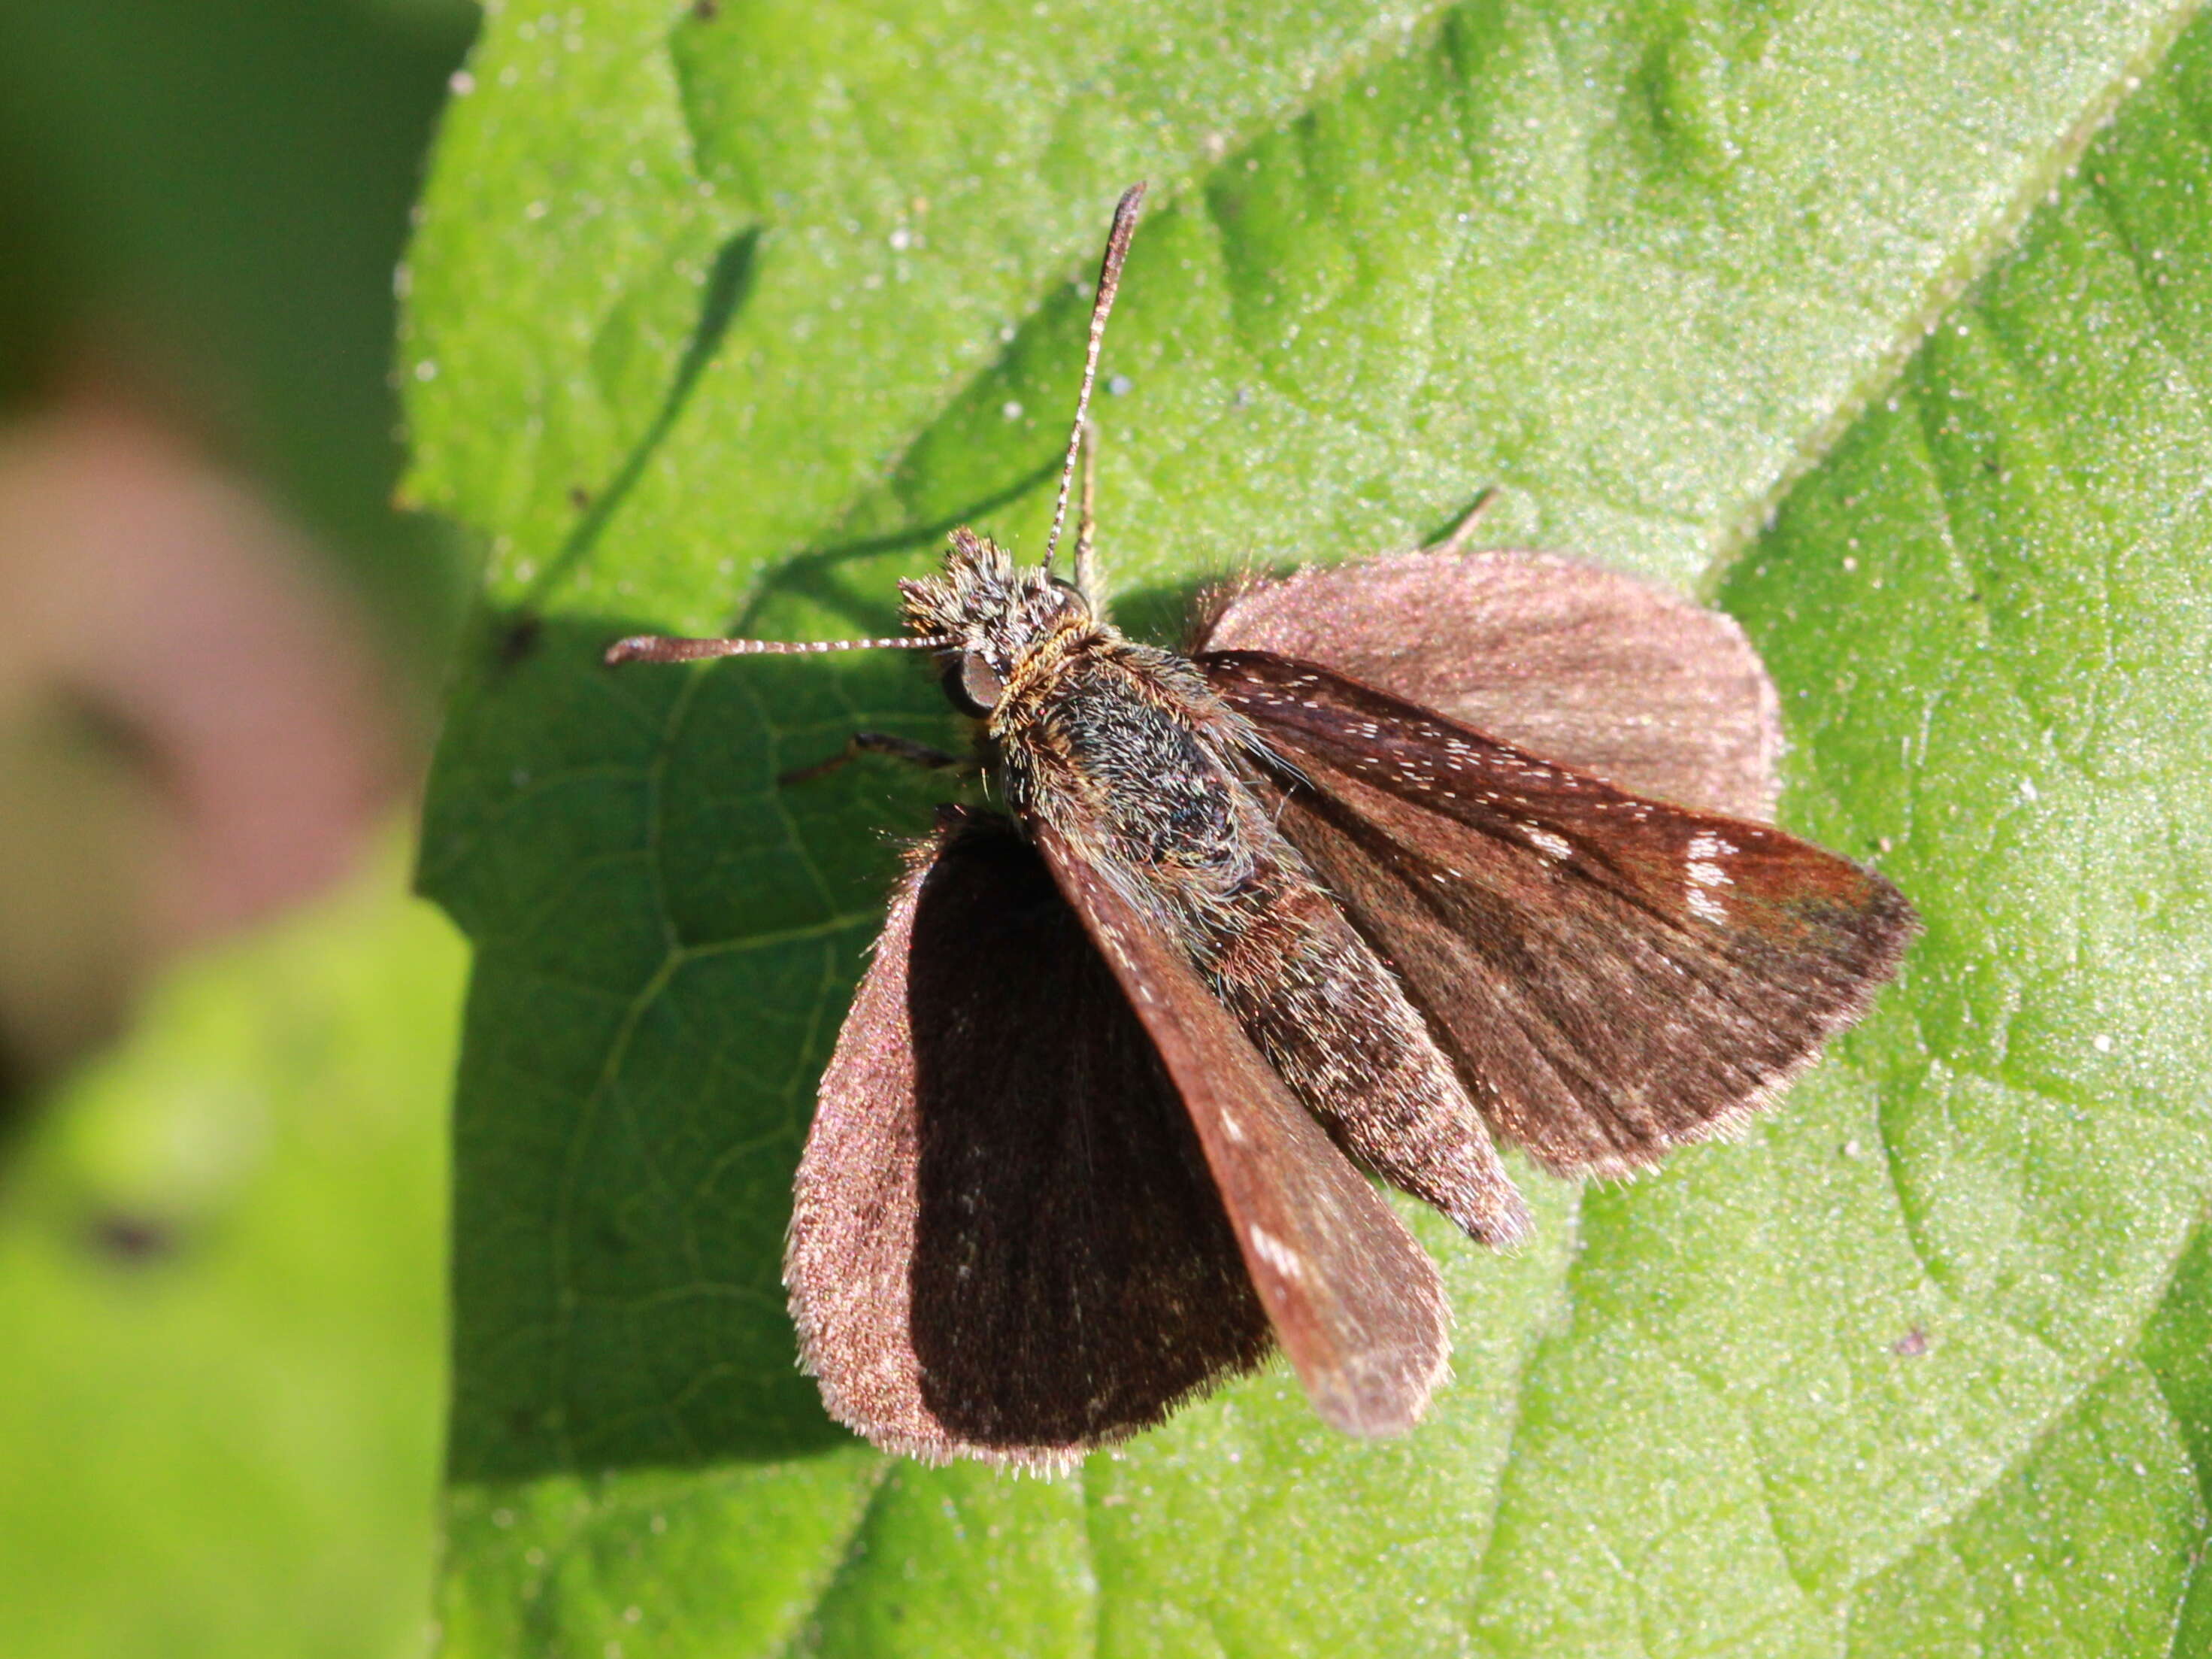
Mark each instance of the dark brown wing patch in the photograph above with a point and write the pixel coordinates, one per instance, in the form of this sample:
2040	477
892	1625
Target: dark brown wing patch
1561	657
1355	1301
1006	1242
1616	975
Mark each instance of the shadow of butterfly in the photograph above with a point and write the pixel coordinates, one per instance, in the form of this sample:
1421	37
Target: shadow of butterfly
1393	862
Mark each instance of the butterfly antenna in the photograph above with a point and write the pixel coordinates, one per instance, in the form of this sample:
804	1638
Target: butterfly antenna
655	648
1109	280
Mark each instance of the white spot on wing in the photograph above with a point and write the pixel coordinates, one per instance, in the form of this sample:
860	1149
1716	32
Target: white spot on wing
1276	1254
1703	874
1551	846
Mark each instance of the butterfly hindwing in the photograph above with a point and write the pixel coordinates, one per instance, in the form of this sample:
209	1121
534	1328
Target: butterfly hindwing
1562	656
1006	1242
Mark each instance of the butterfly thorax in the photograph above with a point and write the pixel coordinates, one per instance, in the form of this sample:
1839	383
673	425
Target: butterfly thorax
1114	743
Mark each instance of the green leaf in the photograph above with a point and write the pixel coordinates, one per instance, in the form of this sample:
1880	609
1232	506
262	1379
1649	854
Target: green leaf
779	298
220	1299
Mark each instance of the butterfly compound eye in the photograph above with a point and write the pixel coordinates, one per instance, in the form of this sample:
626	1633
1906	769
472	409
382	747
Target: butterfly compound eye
973	685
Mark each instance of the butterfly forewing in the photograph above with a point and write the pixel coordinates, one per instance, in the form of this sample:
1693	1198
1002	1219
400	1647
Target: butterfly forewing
1355	1301
1005	1241
1568	659
1615	975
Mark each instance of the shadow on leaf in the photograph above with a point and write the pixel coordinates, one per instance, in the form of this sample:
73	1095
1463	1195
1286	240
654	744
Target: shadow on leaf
729	283
665	942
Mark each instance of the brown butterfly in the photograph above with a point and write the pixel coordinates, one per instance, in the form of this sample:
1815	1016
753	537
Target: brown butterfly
1395	861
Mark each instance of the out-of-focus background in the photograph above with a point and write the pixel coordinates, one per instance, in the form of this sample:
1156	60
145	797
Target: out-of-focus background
225	1029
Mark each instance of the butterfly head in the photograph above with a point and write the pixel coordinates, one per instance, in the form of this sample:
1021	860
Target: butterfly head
993	613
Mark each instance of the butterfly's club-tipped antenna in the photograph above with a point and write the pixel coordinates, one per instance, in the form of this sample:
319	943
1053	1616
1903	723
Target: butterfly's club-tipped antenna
1109	280
655	648
1087	522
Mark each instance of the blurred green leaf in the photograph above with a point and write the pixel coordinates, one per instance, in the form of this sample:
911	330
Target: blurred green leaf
693	286
221	1258
202	206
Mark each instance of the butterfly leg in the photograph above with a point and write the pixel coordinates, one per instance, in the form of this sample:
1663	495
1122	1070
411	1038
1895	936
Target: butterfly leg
1456	538
1086	524
879	742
